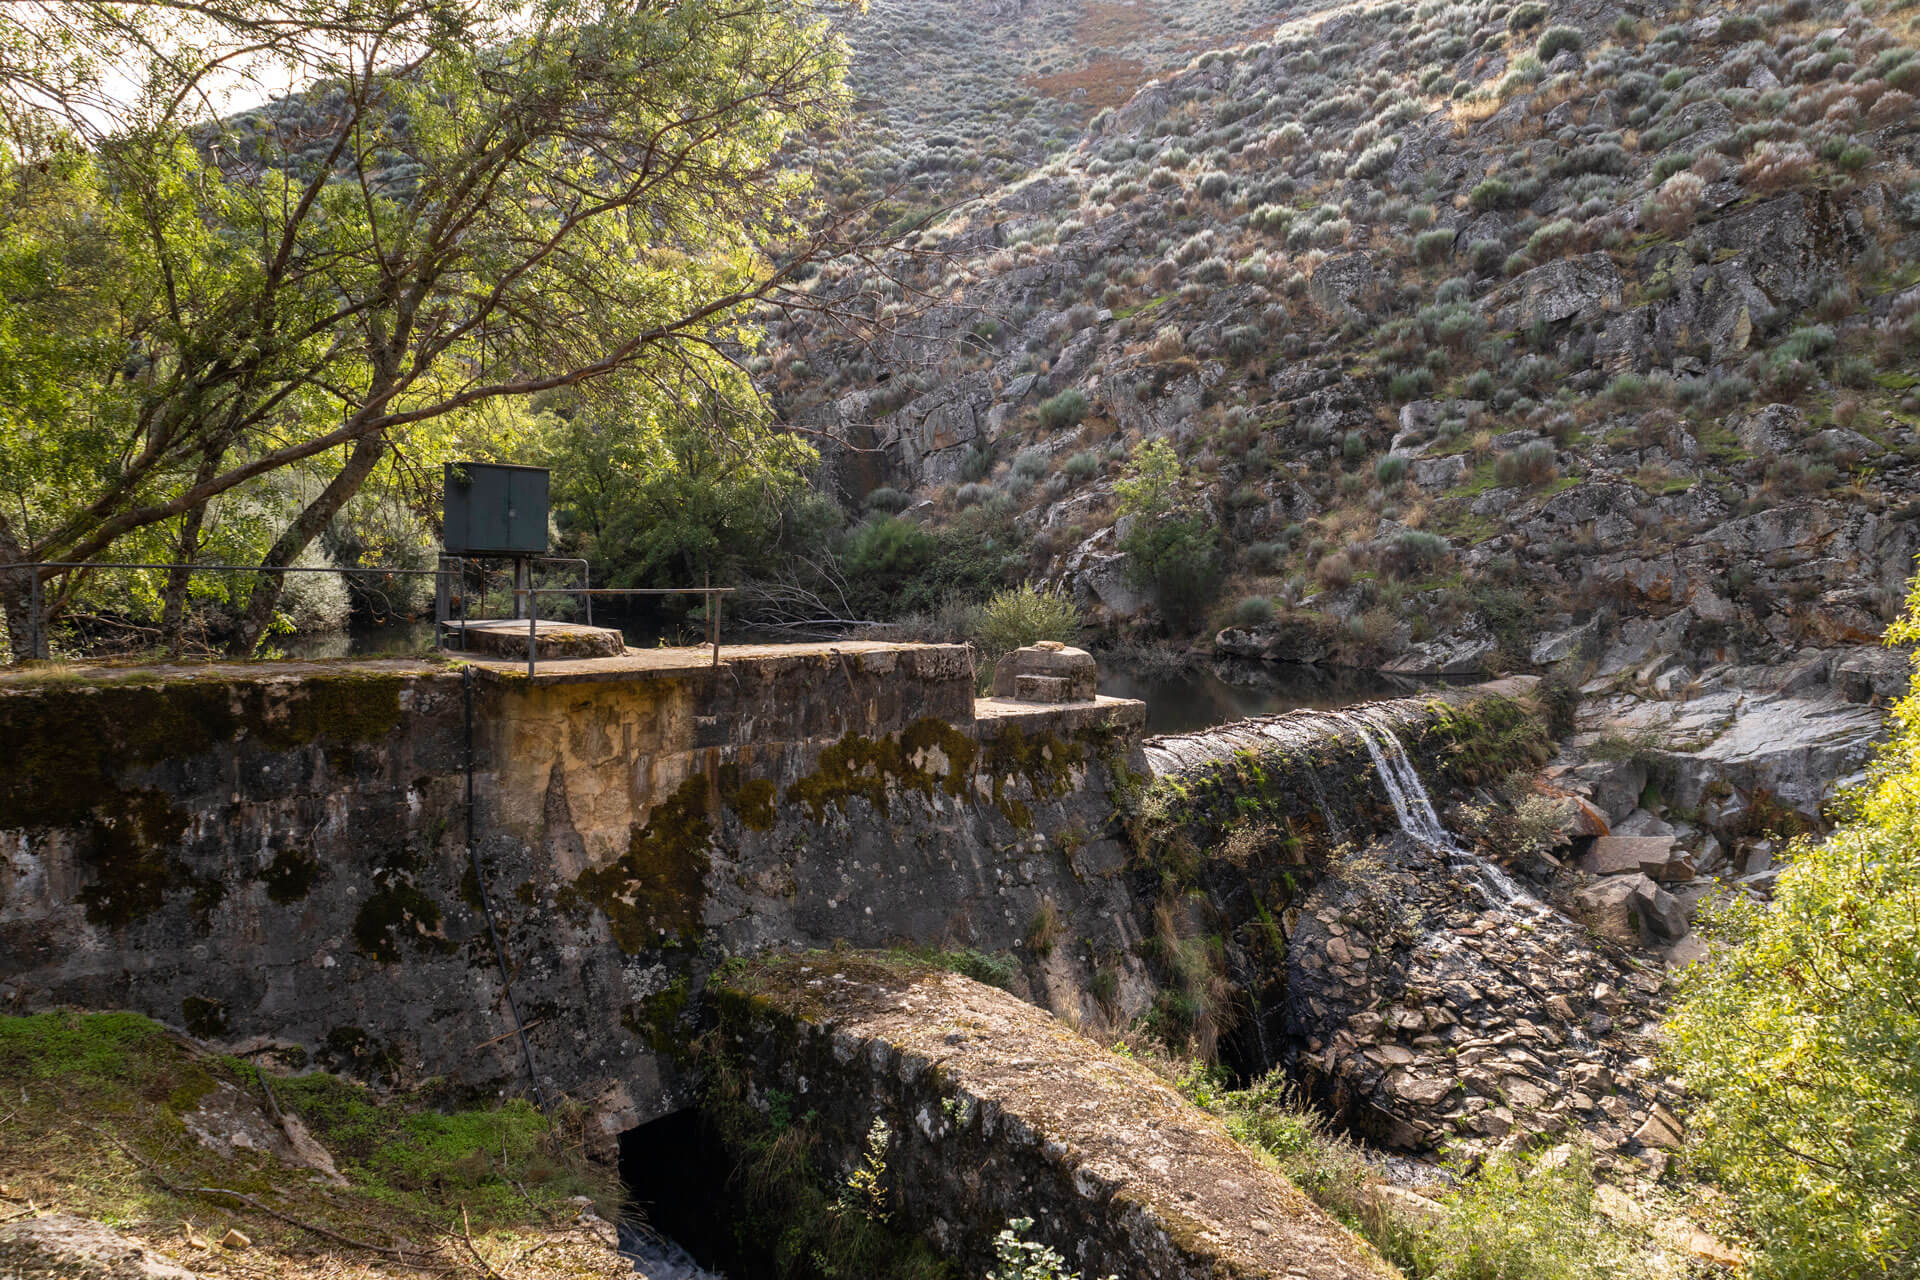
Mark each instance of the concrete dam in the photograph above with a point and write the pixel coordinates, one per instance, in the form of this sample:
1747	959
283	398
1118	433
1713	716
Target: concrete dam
565	883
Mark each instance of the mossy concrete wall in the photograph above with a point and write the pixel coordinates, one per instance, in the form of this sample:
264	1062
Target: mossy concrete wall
974	1108
277	856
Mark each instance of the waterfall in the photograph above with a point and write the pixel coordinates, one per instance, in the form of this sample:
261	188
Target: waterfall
1414	807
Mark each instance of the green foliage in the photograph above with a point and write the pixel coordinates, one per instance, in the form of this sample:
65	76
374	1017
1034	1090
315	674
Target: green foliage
1021	1259
1064	410
1558	40
1253	611
885	553
1023	615
1172	553
1802	1039
660	492
1520	1219
259	314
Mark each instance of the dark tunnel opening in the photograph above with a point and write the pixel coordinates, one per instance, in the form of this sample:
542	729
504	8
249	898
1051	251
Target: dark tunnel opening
681	1204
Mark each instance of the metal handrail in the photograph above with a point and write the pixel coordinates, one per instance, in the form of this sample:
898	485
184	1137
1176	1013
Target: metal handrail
37	638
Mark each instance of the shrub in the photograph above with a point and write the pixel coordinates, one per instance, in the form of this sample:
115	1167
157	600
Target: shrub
1214	185
888	499
1252	611
1774	165
1671	209
1432	247
1555	41
1334	571
1064	410
1532	465
972	493
1082	466
1353	447
1415	553
1551	240
885	554
1390	470
1030	464
1526	17
1800	1041
1375	160
1024	615
1493	193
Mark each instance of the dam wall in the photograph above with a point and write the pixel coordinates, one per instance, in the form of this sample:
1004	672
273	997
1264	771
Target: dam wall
275	857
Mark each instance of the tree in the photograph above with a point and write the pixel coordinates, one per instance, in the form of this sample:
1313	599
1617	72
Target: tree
1800	1038
662	491
1171	550
457	204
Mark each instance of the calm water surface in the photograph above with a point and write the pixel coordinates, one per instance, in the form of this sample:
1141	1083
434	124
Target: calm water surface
1217	691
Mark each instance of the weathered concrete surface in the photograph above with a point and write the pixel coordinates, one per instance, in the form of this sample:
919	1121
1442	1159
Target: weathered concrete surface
995	1110
279	853
507	638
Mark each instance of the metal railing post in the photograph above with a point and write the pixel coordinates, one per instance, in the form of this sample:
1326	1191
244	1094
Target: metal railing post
533	623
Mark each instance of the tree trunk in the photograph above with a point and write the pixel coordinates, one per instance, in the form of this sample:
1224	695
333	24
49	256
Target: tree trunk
16	600
298	536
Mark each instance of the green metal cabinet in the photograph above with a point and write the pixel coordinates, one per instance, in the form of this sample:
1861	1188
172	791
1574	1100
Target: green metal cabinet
495	510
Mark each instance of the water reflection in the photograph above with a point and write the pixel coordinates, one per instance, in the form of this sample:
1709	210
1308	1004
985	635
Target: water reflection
1215	691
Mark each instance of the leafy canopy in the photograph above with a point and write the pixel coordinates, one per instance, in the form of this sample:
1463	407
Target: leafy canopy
1802	1038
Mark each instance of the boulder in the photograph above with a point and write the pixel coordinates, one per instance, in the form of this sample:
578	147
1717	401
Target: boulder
1632	908
1588	287
64	1245
1626	855
1046	672
1775	429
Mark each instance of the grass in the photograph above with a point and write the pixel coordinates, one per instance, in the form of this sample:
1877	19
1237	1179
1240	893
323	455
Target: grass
98	1104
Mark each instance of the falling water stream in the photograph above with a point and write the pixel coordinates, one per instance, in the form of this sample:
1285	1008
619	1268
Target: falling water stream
1414	807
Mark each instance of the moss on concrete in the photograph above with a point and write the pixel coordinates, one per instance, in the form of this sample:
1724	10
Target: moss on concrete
291	875
654	895
398	912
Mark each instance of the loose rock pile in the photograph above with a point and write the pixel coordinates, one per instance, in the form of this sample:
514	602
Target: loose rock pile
1437	1006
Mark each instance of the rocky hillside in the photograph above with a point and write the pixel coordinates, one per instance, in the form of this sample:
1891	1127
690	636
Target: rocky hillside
1473	325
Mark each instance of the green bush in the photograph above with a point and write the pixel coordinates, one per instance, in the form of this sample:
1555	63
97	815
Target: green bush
1024	615
1030	464
1525	17
1390	470
1432	247
1801	1039
1558	40
888	499
1252	611
883	554
1493	193
1064	410
1415	553
1081	466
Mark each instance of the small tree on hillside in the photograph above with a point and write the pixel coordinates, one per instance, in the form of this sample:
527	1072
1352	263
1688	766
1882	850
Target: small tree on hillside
1171	551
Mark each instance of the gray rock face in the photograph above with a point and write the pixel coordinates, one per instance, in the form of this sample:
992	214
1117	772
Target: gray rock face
68	1246
1339	283
1773	431
1584	287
